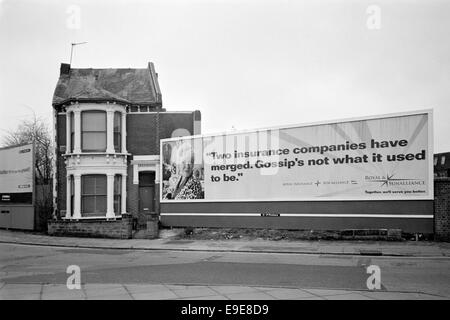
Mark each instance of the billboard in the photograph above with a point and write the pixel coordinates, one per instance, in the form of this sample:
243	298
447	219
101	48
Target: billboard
374	158
16	174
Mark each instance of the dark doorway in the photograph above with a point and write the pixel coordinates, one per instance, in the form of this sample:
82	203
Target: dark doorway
147	192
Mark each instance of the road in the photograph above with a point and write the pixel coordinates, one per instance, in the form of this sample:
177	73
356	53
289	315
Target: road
24	264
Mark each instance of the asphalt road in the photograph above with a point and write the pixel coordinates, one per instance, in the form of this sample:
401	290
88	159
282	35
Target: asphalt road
40	264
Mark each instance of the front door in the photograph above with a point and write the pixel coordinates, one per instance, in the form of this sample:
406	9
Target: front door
146	192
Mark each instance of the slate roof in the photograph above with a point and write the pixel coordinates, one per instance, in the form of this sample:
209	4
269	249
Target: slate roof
130	86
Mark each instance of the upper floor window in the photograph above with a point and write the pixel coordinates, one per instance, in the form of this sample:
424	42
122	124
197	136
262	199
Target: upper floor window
117	193
93	131
442	160
72	132
435	161
117	131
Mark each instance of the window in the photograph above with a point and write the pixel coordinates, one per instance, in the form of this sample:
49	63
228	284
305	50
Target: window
442	160
435	161
117	193
93	131
117	132
72	195
93	195
72	132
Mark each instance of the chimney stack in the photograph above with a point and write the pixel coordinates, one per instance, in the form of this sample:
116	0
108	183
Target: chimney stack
65	69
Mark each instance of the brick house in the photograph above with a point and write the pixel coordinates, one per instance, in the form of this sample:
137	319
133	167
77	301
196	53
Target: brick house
108	123
442	164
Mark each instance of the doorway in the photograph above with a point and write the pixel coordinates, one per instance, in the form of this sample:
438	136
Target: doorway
147	192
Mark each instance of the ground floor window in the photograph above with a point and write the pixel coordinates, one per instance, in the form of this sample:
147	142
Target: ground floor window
72	195
93	195
117	193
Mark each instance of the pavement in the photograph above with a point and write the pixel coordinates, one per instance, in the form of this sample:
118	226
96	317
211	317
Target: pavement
167	242
193	292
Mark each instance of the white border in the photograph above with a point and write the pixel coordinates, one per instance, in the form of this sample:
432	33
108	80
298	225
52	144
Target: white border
430	196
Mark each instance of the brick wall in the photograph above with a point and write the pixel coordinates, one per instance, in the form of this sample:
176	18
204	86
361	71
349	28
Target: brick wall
118	229
61	179
442	209
171	121
132	194
142	135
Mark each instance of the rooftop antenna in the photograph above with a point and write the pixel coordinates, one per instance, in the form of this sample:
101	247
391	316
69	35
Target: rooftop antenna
71	49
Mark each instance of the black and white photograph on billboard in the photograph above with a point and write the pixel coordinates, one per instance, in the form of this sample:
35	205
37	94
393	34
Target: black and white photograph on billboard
235	157
182	171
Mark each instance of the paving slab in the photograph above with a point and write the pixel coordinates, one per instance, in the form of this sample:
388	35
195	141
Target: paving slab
249	296
98	291
61	292
19	296
401	296
112	297
160	295
325	292
194	292
22	288
233	289
348	296
312	298
289	294
217	297
145	288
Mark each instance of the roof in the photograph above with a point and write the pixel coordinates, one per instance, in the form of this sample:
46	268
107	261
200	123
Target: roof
130	86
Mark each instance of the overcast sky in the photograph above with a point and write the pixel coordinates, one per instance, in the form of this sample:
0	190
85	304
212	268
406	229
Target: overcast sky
244	64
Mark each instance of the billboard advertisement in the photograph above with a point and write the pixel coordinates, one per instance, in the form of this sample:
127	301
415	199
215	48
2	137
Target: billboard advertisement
16	173
374	158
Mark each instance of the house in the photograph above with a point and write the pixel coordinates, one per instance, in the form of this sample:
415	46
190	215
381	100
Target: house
108	123
442	164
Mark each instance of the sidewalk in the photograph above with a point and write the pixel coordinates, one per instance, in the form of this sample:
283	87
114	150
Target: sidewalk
370	248
188	292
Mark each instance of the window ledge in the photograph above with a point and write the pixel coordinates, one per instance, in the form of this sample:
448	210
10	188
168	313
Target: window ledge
93	218
96	154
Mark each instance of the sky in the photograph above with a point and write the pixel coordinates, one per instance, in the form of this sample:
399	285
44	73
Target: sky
243	63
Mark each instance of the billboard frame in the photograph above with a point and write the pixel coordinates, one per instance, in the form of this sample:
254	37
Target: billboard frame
33	170
18	224
429	112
